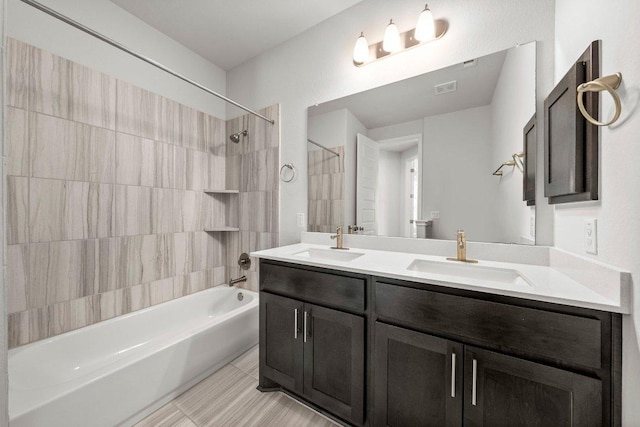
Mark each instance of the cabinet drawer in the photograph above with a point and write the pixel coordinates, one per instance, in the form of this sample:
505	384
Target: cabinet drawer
317	287
560	337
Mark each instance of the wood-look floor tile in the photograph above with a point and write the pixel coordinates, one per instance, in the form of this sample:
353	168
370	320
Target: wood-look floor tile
248	362
229	398
297	414
208	398
251	408
167	416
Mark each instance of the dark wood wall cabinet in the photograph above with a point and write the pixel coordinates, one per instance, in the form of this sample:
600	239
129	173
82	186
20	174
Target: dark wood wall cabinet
384	352
529	149
570	142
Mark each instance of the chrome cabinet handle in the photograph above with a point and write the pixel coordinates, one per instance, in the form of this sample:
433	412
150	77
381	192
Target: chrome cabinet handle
305	326
295	324
474	385
453	375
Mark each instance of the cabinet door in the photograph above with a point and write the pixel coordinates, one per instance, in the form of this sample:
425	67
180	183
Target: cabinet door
506	391
281	340
418	379
334	361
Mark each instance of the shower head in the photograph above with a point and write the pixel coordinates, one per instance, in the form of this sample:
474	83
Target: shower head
235	138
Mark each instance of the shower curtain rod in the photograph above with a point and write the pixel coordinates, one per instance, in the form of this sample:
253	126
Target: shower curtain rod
146	59
323	147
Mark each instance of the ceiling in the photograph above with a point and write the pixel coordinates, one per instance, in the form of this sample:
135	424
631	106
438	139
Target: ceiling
415	98
229	32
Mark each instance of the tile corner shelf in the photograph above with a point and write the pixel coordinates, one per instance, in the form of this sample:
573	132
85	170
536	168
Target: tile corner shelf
223	228
222	191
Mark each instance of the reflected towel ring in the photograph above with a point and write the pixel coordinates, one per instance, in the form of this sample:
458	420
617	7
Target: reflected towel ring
608	83
292	173
517	158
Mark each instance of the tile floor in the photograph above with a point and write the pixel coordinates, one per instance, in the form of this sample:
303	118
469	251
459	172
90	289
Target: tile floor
229	398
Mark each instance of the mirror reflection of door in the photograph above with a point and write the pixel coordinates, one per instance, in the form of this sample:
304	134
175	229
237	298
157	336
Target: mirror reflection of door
398	201
412	196
367	179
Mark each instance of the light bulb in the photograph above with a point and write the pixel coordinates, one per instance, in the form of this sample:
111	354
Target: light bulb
361	50
391	41
426	27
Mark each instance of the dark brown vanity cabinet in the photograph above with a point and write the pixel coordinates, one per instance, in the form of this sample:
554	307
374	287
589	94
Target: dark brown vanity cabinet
313	351
281	343
504	390
456	357
418	379
435	356
425	380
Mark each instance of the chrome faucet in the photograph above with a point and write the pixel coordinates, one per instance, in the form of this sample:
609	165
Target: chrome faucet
338	237
461	246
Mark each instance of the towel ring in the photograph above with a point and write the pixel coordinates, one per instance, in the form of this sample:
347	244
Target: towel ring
291	168
608	83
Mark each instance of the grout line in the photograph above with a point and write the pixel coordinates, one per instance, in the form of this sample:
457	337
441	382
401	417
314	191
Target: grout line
123	237
185	414
115	128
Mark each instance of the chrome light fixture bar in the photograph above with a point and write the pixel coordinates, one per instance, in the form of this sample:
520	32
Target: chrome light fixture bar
144	58
427	29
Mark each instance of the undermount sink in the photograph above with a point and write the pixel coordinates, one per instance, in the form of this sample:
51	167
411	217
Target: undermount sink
504	276
329	254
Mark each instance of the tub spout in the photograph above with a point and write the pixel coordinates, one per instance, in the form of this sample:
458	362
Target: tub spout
238	280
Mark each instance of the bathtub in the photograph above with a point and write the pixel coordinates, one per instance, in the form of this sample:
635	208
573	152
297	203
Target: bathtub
118	371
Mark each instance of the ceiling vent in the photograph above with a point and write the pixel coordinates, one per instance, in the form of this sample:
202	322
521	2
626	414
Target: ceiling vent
446	87
470	63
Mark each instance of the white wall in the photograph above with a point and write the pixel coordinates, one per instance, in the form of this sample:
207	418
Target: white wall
317	66
456	175
390	191
618	210
328	129
512	106
34	27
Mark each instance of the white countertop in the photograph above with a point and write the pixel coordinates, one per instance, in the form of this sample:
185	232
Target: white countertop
542	282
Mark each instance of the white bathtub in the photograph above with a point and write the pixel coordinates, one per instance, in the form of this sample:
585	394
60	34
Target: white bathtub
118	371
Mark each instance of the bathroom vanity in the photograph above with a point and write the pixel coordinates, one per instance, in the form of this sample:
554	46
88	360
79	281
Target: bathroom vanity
386	338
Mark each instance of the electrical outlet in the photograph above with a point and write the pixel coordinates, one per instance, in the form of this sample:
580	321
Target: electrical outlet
300	222
435	214
590	236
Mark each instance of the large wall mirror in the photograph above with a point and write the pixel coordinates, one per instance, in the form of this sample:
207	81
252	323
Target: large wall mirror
417	158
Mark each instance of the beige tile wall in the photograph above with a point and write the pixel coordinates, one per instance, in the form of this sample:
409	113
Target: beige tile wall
105	205
326	189
252	167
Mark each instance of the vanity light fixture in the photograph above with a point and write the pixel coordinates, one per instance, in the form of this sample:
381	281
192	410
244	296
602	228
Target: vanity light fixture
426	26
391	41
427	29
361	50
